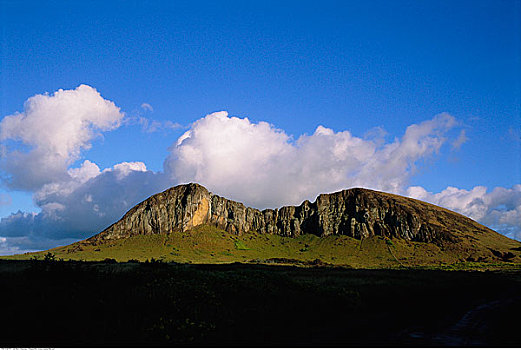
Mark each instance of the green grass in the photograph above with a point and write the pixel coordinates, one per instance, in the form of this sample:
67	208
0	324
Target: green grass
239	245
209	245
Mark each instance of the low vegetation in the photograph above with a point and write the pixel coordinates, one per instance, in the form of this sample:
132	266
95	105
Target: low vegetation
207	287
209	245
53	303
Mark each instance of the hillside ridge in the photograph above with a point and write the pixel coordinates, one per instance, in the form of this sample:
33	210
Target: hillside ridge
357	212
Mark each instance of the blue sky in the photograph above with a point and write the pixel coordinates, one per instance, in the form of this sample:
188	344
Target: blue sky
357	66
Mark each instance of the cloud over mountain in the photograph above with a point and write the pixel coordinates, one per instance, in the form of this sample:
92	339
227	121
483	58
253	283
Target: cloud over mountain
499	209
254	163
265	167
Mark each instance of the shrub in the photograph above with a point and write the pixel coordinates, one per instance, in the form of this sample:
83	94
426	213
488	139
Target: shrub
154	262
49	257
240	245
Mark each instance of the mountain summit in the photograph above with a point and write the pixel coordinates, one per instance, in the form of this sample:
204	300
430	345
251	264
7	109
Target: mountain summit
354	227
358	213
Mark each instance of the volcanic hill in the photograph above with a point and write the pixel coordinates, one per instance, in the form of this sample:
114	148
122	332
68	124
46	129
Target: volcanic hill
355	227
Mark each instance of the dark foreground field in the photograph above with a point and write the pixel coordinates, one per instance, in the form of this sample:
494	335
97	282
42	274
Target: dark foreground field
155	304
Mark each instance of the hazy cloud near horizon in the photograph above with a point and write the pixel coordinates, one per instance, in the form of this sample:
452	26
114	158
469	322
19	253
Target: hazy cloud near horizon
254	163
499	209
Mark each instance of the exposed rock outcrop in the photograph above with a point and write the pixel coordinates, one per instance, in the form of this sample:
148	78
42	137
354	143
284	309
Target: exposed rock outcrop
356	212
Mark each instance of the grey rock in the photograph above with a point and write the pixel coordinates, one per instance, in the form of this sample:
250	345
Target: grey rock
356	212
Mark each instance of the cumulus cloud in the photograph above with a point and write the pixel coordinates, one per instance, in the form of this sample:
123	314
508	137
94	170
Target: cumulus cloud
255	163
499	209
124	169
42	141
265	167
89	201
86	204
39	147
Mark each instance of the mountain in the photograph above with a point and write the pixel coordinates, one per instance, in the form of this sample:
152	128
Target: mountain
356	226
357	212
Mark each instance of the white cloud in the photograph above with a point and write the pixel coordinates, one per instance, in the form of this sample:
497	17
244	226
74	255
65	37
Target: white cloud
124	169
147	107
7	248
38	148
77	209
255	163
20	245
264	167
53	130
151	125
499	209
462	138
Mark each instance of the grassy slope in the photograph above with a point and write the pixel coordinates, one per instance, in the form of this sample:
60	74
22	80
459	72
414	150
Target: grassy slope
206	244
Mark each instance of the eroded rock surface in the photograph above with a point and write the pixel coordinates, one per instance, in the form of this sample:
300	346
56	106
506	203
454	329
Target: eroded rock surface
356	212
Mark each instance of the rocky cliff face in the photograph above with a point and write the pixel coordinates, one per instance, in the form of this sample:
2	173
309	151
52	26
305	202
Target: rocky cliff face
357	212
